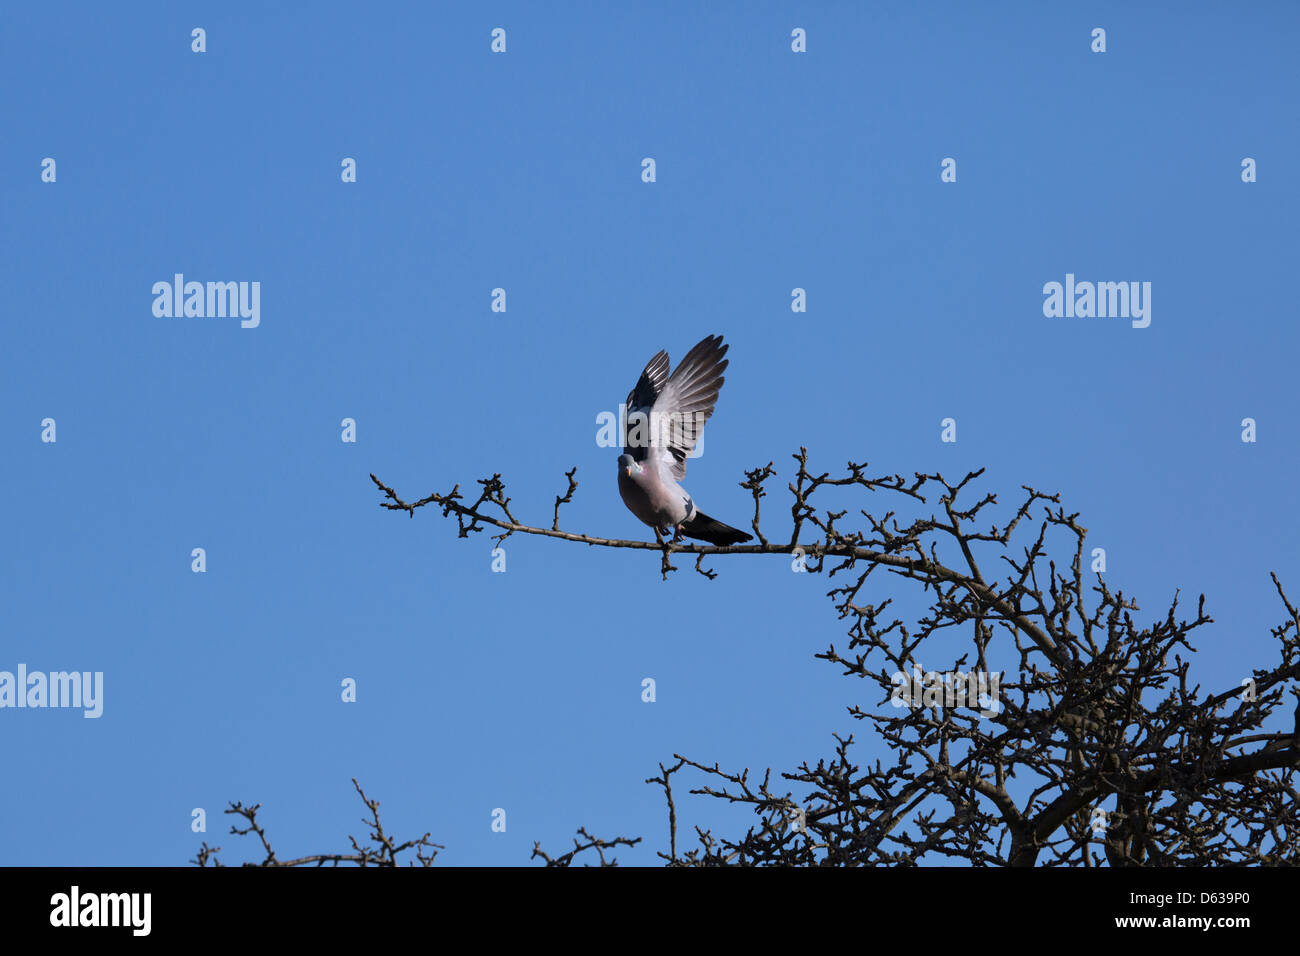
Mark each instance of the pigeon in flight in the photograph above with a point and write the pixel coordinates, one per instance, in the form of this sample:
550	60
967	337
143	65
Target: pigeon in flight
665	415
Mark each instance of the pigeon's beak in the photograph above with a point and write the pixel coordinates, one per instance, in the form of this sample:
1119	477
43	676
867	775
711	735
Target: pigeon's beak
629	471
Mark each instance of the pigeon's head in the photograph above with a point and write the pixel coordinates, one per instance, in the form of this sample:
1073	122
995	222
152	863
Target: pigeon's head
627	464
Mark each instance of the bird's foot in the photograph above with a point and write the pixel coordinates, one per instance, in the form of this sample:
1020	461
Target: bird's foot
677	535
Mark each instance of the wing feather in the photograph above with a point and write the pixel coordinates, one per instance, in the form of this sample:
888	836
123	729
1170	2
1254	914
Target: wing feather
687	400
641	400
666	413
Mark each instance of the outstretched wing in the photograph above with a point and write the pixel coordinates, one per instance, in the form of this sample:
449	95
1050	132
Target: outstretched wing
666	414
686	401
640	402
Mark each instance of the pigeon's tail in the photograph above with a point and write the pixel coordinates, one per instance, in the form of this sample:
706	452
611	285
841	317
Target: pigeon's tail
703	528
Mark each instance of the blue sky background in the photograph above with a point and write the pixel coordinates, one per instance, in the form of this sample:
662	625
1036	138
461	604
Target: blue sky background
775	170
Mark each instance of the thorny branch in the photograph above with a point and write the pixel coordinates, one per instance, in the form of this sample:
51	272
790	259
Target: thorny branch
588	842
382	849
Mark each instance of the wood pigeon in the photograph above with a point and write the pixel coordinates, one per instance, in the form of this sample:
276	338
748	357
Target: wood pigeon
665	416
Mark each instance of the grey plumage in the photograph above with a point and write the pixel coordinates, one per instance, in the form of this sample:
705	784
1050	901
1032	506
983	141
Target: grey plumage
665	416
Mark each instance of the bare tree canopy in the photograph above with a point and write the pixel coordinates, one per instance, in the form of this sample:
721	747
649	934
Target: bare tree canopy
1065	729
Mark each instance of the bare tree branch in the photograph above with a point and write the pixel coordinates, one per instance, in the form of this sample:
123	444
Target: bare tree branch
384	851
591	843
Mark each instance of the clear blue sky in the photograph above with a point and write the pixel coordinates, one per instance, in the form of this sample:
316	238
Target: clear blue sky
775	170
